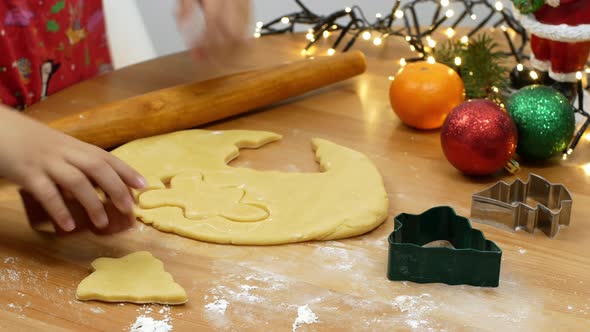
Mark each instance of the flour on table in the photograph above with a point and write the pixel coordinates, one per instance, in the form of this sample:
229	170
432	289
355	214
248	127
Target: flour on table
304	316
9	260
145	323
217	306
416	308
336	258
148	324
97	310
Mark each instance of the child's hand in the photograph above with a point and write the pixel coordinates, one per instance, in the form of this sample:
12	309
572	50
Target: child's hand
43	161
225	23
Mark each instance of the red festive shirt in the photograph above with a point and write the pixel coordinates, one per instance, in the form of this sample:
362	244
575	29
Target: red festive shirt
48	45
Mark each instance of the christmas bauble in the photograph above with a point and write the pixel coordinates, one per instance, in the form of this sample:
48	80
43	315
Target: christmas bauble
544	119
478	137
422	94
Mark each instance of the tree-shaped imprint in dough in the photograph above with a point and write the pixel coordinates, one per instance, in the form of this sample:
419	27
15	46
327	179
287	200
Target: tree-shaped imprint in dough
201	200
138	278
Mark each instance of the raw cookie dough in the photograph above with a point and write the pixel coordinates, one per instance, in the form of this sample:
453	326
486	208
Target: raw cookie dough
137	278
258	207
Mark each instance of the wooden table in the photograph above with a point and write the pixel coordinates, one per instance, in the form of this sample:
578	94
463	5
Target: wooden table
545	284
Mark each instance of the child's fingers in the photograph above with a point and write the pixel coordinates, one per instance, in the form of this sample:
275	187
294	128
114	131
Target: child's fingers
72	179
129	175
50	198
108	180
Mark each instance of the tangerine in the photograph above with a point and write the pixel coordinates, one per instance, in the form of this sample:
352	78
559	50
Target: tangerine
422	94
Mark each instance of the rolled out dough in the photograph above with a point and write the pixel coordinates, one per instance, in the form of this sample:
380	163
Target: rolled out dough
138	278
194	193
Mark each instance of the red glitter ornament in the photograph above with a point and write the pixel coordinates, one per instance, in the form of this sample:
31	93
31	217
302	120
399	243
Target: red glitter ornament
478	137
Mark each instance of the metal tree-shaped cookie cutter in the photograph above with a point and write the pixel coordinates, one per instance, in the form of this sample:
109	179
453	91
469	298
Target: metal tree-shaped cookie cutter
535	204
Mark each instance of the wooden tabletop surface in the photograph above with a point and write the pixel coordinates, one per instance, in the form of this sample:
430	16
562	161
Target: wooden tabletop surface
544	283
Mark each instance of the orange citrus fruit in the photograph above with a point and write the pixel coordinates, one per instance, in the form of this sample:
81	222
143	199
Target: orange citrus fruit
422	94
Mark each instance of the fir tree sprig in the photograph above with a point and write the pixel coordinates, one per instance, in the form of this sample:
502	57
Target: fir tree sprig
481	68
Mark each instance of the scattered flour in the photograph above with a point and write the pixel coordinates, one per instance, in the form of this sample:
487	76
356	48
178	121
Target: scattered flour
416	307
304	316
144	323
336	258
97	310
148	324
13	275
522	251
218	306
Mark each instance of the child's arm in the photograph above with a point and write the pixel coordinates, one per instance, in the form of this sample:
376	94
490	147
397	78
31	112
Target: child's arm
43	161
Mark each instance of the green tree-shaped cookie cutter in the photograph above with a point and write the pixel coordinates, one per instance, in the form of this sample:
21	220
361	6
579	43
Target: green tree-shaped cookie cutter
473	260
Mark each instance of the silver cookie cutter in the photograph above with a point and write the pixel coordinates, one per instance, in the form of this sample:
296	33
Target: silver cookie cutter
537	203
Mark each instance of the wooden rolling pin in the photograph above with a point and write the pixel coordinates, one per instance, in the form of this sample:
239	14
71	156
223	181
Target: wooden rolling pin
187	106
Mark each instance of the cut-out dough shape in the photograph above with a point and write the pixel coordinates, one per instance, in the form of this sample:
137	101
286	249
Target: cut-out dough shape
201	200
138	278
346	199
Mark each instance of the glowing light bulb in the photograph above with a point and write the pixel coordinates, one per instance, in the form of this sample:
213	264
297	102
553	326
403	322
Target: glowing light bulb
473	17
450	32
430	59
366	35
504	28
408	38
331	51
449	13
534	75
431	42
458	61
348	9
499	6
377	41
378	15
285	20
326	34
586	168
399	14
303	52
402	62
391	77
495	89
259	24
465	40
564	157
519	67
570	151
444	3
257	35
309	36
412	48
579	76
587	70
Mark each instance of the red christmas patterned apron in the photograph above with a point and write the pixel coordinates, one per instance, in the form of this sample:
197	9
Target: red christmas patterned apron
48	45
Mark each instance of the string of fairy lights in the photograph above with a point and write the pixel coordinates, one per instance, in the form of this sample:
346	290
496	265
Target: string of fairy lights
352	22
346	26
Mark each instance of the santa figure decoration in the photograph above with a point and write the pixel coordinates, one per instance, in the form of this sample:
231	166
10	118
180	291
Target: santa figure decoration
560	39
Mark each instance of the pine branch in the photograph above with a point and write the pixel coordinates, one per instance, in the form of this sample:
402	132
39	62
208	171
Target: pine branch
481	67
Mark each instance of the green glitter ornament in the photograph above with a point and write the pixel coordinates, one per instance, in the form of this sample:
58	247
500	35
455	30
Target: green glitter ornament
544	119
528	6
